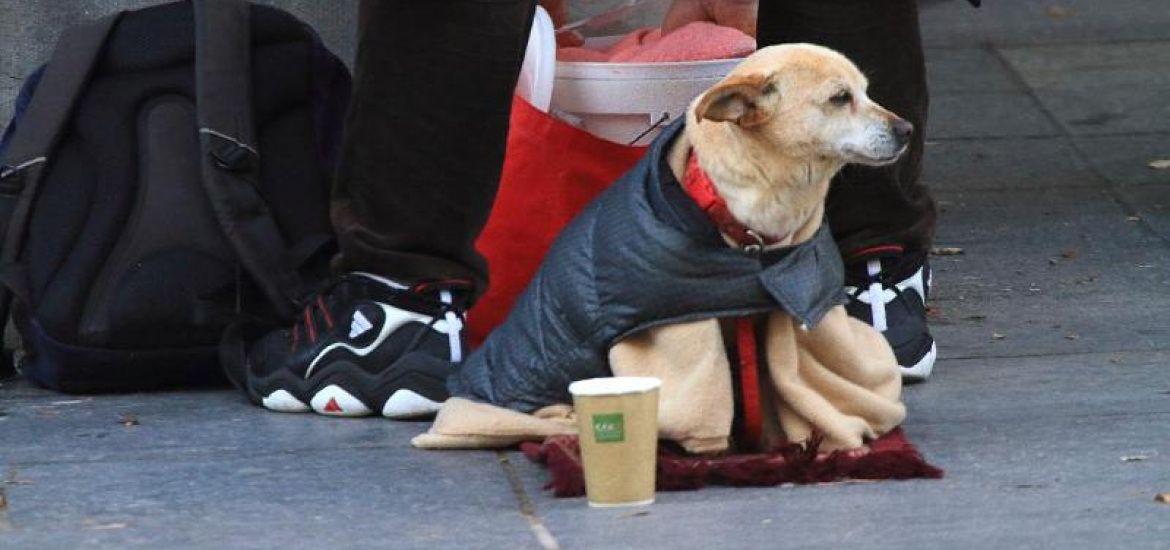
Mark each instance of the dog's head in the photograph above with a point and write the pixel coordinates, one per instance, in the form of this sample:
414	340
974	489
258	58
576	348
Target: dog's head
806	100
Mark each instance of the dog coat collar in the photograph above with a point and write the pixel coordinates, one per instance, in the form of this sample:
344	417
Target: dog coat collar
701	189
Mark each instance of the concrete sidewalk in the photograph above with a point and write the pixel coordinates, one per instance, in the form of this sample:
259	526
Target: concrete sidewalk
1049	409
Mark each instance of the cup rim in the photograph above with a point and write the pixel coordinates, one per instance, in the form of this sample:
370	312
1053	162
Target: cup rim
614	385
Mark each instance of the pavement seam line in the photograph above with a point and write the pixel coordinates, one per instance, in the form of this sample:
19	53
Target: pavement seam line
526	508
1110	186
1045	137
1058	43
9	479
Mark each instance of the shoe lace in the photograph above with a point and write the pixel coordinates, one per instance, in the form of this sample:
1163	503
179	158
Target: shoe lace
875	284
455	316
305	320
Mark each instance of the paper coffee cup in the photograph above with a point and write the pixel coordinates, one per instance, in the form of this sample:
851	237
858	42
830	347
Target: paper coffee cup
617	419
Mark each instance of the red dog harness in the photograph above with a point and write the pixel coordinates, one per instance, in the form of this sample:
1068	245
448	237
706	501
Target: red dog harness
699	187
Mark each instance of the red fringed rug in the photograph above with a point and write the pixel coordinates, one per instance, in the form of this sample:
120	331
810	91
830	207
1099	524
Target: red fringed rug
891	457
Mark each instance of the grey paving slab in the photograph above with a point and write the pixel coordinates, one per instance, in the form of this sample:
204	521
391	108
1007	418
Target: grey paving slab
1004	164
1021	325
1082	387
1029	220
955	23
966	69
1151	203
204	469
1100	88
1049	271
178	425
989	271
1022	472
960	115
1125	159
342	498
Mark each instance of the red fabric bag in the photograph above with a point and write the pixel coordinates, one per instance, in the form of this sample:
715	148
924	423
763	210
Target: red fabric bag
551	171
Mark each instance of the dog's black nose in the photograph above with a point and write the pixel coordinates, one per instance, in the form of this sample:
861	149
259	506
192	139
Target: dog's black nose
902	131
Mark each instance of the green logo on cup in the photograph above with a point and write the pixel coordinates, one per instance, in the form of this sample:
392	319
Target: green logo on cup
609	428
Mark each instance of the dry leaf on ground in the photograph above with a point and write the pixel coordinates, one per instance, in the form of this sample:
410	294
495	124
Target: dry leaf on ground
102	526
946	251
108	526
1160	164
1164	498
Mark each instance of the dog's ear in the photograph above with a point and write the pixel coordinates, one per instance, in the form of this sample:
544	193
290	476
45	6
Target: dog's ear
740	99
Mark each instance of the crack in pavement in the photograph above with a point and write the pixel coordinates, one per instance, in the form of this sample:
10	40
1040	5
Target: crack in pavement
527	508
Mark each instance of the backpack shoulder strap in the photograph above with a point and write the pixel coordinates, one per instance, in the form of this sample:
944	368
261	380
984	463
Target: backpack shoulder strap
230	160
30	150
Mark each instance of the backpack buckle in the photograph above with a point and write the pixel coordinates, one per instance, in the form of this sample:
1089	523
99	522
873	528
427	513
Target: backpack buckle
230	154
12	177
232	157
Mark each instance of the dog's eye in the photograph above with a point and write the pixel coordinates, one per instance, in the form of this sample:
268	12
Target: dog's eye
842	98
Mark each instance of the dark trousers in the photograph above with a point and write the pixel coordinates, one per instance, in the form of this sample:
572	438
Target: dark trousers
425	135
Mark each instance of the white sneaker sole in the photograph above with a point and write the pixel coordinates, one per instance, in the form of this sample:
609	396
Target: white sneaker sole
334	401
406	404
921	370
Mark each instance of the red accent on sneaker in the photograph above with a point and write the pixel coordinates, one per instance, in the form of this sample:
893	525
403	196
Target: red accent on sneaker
877	250
309	326
332	406
702	190
296	337
749	380
443	284
325	312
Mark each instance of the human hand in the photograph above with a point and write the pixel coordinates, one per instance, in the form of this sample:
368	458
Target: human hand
738	14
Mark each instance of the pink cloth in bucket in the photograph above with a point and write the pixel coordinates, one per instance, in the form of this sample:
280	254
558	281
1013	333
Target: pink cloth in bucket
696	41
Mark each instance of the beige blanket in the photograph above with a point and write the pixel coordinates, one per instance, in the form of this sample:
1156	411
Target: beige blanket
839	379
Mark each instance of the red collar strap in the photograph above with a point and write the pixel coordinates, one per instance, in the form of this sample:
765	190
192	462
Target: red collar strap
698	185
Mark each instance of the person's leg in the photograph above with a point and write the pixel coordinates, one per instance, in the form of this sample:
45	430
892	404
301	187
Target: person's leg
425	135
883	218
420	164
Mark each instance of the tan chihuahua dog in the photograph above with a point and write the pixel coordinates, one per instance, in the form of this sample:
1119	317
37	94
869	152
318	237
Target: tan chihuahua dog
770	137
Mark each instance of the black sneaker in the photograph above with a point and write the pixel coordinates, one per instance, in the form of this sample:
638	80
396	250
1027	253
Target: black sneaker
366	345
897	309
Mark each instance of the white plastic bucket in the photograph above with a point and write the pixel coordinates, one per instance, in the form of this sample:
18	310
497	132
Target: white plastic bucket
535	82
621	101
625	103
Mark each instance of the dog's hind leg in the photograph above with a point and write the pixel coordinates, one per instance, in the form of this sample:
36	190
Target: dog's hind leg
695	407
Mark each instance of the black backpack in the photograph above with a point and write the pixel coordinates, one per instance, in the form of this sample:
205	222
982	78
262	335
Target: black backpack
168	178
